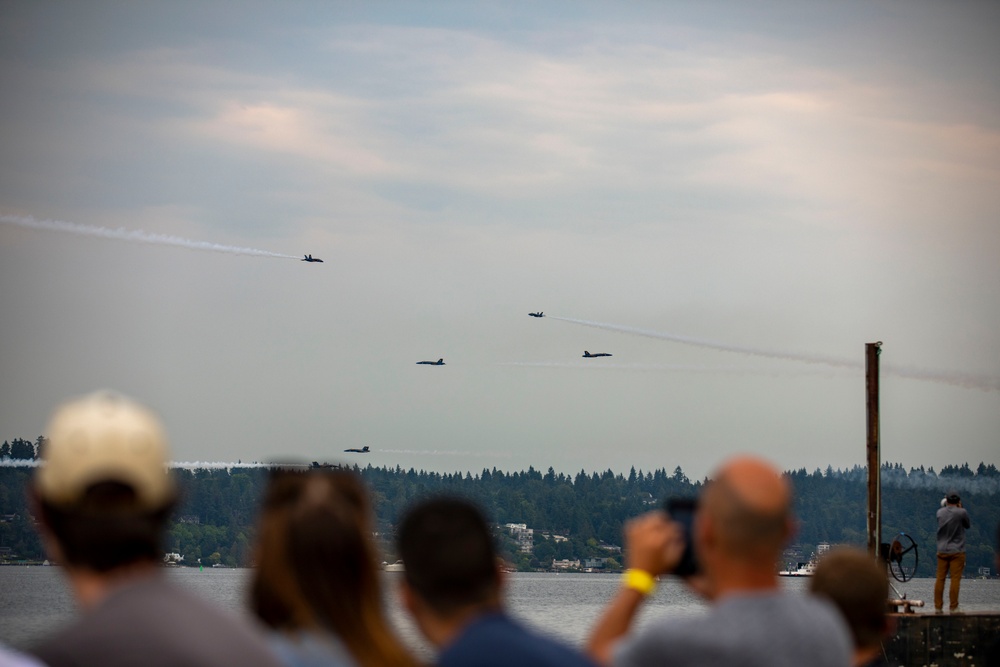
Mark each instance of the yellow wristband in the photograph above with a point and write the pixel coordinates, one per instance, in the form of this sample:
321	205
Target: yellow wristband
639	581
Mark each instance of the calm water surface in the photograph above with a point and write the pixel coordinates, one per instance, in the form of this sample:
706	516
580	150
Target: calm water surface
34	601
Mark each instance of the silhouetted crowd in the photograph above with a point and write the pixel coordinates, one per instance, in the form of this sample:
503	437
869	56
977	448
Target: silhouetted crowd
103	497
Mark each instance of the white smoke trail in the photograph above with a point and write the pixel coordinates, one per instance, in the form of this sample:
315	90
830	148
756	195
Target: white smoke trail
19	463
899	478
181	465
668	368
981	382
715	345
223	465
984	383
133	235
439	452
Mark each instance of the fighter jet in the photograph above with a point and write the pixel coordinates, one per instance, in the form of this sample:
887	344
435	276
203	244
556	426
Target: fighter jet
363	450
439	362
310	258
588	355
538	314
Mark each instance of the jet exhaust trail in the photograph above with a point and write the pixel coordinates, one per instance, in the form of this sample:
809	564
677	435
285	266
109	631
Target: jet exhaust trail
178	465
19	463
957	379
133	235
223	465
439	452
668	368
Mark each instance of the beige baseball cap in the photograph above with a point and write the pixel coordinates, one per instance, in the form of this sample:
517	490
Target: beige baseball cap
105	437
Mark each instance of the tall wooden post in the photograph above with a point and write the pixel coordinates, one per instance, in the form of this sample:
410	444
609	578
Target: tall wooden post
872	351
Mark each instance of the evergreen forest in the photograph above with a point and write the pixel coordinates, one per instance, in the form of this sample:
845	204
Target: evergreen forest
573	516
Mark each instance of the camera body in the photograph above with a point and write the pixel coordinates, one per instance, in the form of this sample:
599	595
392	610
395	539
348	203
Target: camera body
682	511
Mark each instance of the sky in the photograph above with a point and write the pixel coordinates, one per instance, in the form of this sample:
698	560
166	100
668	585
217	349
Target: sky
732	199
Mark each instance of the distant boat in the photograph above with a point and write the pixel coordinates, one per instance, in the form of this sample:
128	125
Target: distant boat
801	570
395	567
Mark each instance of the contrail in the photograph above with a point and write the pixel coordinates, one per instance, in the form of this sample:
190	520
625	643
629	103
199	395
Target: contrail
19	463
223	465
923	480
968	381
439	452
180	465
668	368
133	235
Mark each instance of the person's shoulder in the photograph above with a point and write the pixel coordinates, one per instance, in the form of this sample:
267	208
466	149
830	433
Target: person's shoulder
310	650
671	640
11	658
496	639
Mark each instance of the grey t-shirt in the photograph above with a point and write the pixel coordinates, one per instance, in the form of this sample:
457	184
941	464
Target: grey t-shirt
759	630
952	522
153	623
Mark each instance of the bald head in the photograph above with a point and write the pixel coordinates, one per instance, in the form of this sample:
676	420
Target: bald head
748	505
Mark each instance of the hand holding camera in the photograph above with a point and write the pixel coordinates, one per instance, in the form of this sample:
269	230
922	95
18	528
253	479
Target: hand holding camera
653	543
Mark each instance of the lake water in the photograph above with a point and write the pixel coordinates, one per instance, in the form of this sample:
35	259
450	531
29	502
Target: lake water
35	600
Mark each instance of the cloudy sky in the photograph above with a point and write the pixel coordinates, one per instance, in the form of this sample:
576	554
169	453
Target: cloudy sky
739	196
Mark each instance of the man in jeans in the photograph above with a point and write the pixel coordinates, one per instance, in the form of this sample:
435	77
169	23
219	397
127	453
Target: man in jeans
952	522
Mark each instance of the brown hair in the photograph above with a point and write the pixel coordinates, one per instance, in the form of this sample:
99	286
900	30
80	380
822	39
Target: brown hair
852	580
316	564
107	528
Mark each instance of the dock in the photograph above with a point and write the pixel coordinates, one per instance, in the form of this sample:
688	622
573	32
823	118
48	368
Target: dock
941	640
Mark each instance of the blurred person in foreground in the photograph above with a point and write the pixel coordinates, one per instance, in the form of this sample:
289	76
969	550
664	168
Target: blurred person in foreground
952	521
317	584
12	658
452	587
742	523
103	496
992	656
859	588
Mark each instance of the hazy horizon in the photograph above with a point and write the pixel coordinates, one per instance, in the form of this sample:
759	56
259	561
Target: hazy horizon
730	199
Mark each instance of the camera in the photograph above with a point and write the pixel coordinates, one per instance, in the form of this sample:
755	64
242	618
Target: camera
682	511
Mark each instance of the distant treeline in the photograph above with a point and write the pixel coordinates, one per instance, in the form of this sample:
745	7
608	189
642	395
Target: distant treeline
215	519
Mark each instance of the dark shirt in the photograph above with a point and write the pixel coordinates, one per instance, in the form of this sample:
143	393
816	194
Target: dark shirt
494	640
952	522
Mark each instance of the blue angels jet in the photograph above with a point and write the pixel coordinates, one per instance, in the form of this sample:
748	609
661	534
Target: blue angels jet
588	355
439	362
363	450
310	258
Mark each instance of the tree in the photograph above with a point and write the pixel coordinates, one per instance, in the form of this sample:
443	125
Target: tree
22	449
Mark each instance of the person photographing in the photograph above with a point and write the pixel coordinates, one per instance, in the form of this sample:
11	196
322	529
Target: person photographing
953	520
741	524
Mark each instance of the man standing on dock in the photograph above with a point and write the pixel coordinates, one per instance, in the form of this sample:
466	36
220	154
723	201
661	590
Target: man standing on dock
952	520
742	524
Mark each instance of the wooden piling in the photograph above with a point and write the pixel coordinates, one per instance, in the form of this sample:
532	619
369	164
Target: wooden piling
872	351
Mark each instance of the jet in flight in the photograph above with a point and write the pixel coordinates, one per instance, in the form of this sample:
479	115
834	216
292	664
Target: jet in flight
538	314
439	362
363	450
310	258
588	355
